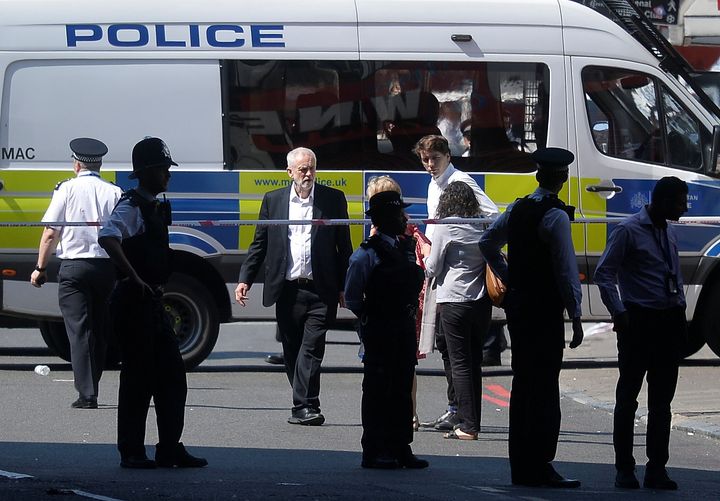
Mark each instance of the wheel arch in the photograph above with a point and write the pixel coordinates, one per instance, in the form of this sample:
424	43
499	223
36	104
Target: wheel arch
198	268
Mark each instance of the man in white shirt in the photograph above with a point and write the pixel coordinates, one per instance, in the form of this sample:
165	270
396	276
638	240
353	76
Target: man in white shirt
86	275
434	153
304	267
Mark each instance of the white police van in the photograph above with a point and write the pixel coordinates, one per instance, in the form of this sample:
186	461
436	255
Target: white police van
233	86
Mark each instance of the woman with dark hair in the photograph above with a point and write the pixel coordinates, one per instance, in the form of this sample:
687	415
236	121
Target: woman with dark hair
465	309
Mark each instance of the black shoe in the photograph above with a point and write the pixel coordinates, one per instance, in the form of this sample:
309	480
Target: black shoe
307	417
659	480
275	359
412	462
431	424
551	478
626	479
379	462
137	462
84	403
176	456
449	423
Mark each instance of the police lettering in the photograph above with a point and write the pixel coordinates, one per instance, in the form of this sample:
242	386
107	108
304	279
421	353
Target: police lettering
222	36
17	153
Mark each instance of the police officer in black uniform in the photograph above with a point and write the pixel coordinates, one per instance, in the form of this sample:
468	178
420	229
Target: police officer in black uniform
382	288
543	281
86	275
136	238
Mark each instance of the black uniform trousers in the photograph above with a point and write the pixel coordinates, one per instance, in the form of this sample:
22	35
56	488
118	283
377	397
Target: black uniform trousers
152	367
303	320
84	286
537	338
464	325
652	347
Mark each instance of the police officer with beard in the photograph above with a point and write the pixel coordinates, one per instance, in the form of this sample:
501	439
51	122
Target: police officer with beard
136	239
382	288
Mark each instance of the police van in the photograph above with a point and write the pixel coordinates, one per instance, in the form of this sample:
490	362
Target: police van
233	86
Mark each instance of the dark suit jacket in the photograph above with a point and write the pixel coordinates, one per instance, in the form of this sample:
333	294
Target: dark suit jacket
330	246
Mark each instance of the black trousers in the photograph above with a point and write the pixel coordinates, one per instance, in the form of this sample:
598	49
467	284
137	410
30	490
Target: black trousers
387	409
538	339
651	347
441	345
152	367
303	319
464	326
84	286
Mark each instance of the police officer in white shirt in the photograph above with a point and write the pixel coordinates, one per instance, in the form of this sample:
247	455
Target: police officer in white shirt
86	275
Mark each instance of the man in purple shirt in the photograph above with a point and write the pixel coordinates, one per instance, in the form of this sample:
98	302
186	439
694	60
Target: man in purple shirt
641	258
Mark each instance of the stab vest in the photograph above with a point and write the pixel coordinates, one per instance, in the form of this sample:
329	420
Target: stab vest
530	264
391	302
149	252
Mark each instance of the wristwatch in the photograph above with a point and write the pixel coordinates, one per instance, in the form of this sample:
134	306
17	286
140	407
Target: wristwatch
37	268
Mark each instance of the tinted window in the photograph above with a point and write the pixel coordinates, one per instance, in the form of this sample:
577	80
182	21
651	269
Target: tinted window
631	117
369	115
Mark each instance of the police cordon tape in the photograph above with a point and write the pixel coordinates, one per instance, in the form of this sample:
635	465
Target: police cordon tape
691	221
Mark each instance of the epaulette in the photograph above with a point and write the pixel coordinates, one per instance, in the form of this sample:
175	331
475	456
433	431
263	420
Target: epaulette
131	196
61	182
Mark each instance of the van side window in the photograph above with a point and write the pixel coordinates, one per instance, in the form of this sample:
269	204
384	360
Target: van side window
632	117
370	114
624	114
683	134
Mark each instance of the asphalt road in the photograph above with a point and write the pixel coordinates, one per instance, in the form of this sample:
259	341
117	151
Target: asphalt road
236	418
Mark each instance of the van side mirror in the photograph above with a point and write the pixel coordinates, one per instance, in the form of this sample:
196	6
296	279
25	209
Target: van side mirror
713	169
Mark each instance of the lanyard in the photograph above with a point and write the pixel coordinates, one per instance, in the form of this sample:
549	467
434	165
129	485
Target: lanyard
664	250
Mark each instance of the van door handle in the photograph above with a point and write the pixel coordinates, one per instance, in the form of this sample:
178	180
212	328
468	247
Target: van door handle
597	188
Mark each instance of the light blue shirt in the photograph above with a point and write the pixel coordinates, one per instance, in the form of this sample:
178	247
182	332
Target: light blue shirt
361	264
554	230
639	257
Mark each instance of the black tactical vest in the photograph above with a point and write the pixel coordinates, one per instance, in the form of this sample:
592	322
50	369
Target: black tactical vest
530	264
149	252
391	302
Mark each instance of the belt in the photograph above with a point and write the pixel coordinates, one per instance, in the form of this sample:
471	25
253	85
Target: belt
303	283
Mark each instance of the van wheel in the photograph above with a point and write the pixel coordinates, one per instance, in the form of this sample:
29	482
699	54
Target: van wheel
193	316
706	324
55	337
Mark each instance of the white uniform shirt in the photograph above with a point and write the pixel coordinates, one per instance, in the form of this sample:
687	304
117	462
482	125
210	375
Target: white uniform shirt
437	186
85	198
299	263
126	220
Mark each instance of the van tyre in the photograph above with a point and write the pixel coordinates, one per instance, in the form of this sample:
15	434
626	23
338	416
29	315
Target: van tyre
706	324
55	337
194	317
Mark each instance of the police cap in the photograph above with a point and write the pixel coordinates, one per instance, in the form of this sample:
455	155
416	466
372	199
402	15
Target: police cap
385	202
88	150
150	152
553	159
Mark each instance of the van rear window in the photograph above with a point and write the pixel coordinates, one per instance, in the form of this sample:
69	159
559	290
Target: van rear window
370	114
